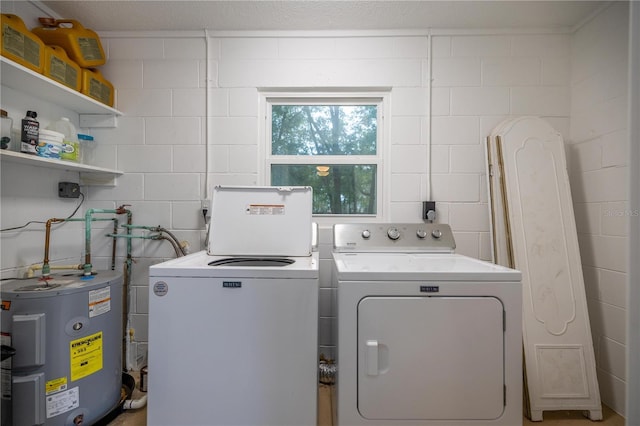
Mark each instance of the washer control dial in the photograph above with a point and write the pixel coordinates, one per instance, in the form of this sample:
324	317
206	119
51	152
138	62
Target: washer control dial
366	234
393	233
421	233
436	233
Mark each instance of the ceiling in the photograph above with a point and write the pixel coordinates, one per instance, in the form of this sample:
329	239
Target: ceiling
264	15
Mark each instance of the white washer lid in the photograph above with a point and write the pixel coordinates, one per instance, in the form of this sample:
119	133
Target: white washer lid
261	221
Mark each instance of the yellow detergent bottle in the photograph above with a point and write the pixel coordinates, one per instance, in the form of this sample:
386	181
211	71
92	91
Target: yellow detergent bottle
96	86
58	67
21	45
81	44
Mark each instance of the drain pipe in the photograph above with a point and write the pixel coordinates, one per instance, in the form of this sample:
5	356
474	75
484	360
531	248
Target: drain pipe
134	404
127	282
113	247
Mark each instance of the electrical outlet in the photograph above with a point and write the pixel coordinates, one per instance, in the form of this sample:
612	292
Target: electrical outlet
206	214
68	190
429	210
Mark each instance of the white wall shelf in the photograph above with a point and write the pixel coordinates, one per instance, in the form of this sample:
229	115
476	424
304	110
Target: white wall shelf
25	80
89	175
22	79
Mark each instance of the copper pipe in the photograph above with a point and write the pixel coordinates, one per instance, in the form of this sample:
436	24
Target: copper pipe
47	237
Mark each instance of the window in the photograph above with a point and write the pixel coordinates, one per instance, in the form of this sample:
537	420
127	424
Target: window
331	143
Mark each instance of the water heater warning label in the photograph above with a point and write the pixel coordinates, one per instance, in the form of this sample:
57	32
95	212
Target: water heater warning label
63	402
265	209
56	385
99	301
86	356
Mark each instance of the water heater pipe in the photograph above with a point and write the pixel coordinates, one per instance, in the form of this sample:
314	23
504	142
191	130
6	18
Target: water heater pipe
33	268
87	229
46	270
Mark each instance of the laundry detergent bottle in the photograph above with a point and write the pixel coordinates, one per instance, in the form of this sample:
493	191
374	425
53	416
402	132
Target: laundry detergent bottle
70	145
29	132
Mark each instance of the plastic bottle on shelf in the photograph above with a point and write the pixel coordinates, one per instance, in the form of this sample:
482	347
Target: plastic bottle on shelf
70	146
29	133
5	129
87	148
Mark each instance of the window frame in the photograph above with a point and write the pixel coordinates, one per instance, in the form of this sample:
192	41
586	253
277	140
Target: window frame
341	97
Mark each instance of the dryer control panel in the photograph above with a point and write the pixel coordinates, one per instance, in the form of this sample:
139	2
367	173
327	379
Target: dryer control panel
393	237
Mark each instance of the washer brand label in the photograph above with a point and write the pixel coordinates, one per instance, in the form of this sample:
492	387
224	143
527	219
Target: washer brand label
429	288
231	284
160	288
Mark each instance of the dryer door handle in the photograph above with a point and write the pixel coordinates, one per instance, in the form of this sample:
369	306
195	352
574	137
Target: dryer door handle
371	355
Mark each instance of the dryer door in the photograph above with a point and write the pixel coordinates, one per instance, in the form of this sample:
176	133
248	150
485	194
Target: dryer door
430	358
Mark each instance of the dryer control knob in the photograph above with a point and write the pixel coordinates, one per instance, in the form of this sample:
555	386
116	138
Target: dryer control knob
421	233
393	233
366	234
436	233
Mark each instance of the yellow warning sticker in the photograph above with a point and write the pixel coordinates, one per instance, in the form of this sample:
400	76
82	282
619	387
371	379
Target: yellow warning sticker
86	356
56	385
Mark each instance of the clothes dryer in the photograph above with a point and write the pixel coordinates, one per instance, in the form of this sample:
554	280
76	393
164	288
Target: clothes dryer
425	336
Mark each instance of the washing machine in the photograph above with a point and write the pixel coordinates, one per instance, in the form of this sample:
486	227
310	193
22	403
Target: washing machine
425	336
233	329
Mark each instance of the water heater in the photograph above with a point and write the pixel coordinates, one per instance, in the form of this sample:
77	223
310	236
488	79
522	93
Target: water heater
67	336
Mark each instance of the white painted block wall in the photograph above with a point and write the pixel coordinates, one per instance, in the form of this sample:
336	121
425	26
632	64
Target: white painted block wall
477	81
598	172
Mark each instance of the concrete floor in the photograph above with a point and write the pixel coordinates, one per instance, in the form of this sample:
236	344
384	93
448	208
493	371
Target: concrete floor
551	418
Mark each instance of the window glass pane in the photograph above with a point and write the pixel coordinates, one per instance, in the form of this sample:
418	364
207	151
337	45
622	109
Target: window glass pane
323	129
337	189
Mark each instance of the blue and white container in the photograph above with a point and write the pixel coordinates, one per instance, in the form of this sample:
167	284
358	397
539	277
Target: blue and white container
70	146
50	144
